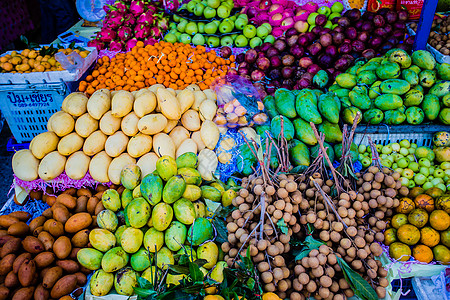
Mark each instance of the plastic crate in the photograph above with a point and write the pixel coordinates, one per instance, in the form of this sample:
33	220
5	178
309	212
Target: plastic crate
27	107
422	135
406	284
12	145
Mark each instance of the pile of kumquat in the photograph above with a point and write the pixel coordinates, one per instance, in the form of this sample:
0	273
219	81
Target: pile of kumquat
174	65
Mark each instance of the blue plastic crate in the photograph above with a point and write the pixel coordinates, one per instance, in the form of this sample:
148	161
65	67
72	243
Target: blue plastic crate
13	145
406	285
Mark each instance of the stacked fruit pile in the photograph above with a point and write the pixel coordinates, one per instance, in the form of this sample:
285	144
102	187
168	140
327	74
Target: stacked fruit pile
421	223
161	216
438	37
110	130
419	166
421	94
199	25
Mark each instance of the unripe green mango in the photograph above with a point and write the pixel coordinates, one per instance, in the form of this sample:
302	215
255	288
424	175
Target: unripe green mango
175	236
111	200
115	259
184	211
90	258
153	240
102	239
130	176
101	283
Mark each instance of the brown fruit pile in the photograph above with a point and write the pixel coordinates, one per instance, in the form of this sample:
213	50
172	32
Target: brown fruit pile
352	228
261	234
39	260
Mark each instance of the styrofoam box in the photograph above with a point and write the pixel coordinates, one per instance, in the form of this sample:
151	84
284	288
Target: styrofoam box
50	76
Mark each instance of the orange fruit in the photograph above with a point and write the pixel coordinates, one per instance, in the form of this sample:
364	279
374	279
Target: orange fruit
390	236
429	236
213	297
434	192
422	253
399	251
442	254
270	296
445	238
418	217
424	201
406	206
399	220
443	203
408	234
439	220
415	191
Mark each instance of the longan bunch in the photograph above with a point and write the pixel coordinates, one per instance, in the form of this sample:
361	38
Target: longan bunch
268	247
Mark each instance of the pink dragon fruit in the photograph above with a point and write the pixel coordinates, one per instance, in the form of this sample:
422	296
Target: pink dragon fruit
163	24
146	19
137	7
131	43
155	31
97	44
124	33
120	6
129	21
106	35
150	41
141	31
113	22
115	46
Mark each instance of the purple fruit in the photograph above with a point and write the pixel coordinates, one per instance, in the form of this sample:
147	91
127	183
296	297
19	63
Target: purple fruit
391	17
344	22
263	63
345	48
368	53
402	15
280	45
250	56
331	50
287	72
297	51
274	74
275	62
324	60
338	38
363	36
321	20
378	21
288	60
305	62
257	75
326	40
313	69
315	48
272	52
292	40
358	46
351	33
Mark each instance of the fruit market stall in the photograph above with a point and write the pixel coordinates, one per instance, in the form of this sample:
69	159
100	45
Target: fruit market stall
228	150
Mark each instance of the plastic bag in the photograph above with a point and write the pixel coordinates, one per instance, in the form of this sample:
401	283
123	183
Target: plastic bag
238	103
70	62
414	8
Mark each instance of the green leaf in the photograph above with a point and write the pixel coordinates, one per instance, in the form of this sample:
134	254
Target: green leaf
179	269
282	226
212	206
200	262
144	283
24	40
72	45
251	283
195	272
301	254
144	292
309	244
225	211
221	229
360	287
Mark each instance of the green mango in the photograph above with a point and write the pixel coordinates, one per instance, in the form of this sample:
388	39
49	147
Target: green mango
373	116
304	132
102	239
174	189
118	234
152	188
107	219
349	115
401	57
423	59
443	71
402	109
446	100
192	192
415	68
153	240
131	239
388	70
360	100
374	90
395	86
410	76
175	236
413	98
388	101
444	116
125	281
299	154
151	273
334	87
101	283
376	59
228	196
138	212
345	102
209	252
369	66
345	80
414	115
288	128
333	133
353	70
200	231
126	197
285	102
394	117
137	192
211	193
342	92
427	78
111	200
317	92
306	106
162	215
190	176
217	273
431	107
90	258
164	258
187	160
316	149
200	209
115	259
166	167
329	107
140	260
269	105
184	211
366	77
130	176
260	130
440	89
320	79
